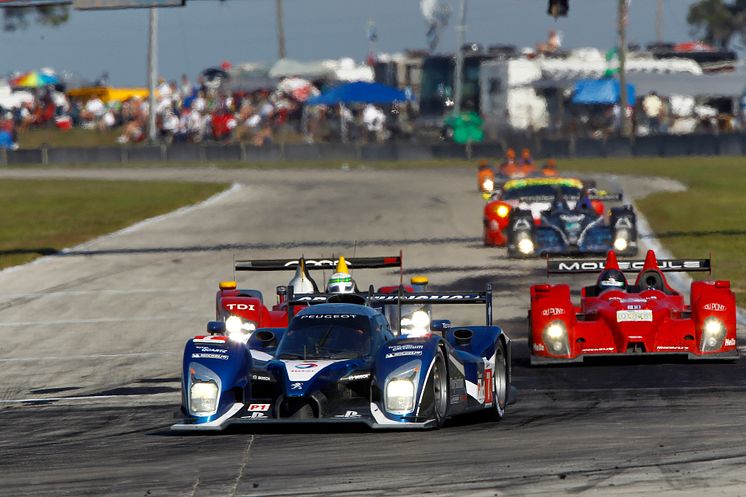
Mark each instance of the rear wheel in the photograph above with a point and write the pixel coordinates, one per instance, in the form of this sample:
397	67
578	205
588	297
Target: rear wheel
500	382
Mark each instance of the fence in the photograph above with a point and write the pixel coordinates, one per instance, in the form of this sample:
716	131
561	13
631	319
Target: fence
651	146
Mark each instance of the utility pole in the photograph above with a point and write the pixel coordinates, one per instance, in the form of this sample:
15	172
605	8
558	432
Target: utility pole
659	22
152	72
626	124
280	30
459	72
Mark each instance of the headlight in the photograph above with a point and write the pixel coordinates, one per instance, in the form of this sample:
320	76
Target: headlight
525	246
203	398
555	338
400	388
621	242
400	395
239	329
488	185
503	211
713	334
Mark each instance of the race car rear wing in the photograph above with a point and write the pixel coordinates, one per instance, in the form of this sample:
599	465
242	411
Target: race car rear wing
319	263
577	266
602	196
381	299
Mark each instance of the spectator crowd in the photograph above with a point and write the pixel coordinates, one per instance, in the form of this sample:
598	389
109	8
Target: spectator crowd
194	112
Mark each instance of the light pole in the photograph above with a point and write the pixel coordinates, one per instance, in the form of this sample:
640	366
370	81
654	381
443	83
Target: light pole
459	76
626	124
152	72
280	30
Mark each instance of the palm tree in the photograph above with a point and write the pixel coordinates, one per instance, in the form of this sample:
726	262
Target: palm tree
719	20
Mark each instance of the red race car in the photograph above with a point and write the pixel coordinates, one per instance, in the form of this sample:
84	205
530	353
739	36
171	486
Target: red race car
244	310
615	318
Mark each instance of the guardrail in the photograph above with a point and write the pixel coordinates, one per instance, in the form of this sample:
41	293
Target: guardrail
649	146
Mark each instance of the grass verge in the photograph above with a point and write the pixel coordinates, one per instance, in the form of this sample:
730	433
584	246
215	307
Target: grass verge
43	216
709	218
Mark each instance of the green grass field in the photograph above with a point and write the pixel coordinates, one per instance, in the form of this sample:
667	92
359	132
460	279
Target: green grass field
42	216
709	218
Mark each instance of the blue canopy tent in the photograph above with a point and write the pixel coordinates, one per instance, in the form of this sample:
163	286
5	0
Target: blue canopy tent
600	91
359	92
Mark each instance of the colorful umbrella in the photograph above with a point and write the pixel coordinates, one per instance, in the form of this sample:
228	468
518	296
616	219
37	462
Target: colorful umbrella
35	79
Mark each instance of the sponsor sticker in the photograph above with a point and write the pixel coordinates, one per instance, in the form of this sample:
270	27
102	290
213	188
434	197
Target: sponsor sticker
210	339
538	347
239	307
714	306
306	365
356	377
329	316
634	316
256	415
404	353
258	377
730	342
553	311
221	357
348	414
296	386
259	407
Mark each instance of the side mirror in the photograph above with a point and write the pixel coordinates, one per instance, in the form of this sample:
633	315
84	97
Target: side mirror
440	325
216	327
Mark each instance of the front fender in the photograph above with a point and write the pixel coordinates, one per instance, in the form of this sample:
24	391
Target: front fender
400	356
220	360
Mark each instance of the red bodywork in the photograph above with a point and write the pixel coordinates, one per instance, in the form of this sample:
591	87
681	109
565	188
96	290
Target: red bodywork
612	323
249	307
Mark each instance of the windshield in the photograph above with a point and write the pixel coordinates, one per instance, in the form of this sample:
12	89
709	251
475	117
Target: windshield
326	336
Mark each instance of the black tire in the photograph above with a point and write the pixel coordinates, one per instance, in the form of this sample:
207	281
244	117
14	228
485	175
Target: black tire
436	391
500	384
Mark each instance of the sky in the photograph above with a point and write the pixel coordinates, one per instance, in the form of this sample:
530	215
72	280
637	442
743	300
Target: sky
207	32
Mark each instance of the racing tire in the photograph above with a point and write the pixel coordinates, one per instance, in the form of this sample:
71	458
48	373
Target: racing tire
436	391
500	384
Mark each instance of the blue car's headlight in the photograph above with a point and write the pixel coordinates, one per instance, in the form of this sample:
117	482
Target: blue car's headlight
401	388
203	398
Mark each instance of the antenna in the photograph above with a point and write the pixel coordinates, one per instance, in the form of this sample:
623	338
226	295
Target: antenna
354	251
234	265
401	268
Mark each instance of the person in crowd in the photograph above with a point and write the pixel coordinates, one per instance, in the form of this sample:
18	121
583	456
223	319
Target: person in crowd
509	167
652	106
550	168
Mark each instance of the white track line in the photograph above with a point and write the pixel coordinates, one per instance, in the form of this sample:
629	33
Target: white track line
83	397
104	291
88	356
100	320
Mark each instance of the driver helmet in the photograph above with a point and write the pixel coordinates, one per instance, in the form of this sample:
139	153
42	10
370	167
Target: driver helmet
341	281
612	279
584	202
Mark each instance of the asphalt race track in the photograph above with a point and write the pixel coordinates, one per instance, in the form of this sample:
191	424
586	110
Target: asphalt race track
96	338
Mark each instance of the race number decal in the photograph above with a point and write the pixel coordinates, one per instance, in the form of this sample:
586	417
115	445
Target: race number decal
488	386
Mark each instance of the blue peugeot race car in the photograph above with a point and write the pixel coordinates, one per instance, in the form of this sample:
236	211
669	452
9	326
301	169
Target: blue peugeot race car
341	361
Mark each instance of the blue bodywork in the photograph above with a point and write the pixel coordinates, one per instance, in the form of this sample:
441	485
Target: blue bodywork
254	385
576	231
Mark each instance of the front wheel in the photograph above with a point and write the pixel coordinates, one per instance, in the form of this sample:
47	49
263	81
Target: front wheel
436	391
